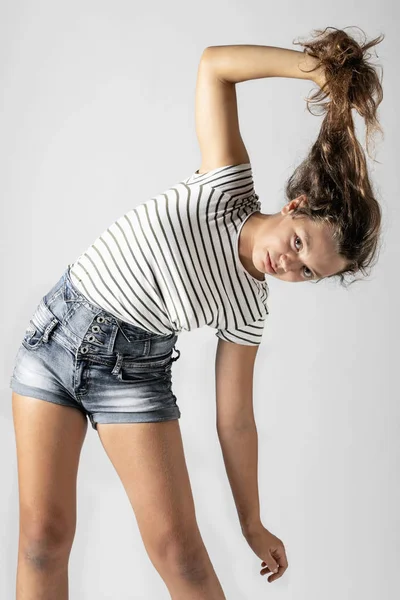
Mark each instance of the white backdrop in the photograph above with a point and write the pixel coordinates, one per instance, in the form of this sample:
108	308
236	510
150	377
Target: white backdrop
97	115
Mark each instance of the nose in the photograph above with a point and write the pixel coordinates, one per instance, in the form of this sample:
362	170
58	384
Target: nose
288	262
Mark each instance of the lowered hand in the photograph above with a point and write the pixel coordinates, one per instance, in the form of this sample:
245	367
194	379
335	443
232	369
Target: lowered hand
271	550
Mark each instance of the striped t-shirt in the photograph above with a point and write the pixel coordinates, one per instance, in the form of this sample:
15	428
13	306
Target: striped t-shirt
172	263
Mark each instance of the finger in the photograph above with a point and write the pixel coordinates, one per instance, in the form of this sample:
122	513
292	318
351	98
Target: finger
277	575
265	570
272	577
281	556
273	567
283	560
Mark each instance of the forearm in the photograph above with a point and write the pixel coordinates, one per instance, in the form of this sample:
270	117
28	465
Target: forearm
240	453
238	63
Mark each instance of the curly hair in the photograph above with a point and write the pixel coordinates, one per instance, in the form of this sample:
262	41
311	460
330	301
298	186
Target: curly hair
334	175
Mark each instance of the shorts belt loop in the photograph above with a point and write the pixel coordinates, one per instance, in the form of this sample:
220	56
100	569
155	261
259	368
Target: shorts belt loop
49	329
117	365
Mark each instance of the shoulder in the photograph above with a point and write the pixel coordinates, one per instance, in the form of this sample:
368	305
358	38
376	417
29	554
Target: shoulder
235	179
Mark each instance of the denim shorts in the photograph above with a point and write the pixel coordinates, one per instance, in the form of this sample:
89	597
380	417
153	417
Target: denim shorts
76	354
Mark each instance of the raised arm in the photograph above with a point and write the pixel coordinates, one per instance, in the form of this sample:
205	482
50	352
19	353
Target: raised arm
216	111
234	64
217	122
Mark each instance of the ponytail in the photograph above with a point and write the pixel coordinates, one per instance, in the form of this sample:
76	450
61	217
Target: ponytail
334	175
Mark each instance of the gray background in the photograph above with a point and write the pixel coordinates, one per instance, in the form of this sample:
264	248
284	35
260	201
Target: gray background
97	115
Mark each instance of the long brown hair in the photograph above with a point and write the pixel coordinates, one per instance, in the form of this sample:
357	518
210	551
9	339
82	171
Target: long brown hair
334	175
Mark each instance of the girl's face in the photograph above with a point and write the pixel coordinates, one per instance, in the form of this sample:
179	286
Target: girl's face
299	249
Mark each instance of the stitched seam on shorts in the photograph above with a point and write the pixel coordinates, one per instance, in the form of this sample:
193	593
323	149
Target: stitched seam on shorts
127	362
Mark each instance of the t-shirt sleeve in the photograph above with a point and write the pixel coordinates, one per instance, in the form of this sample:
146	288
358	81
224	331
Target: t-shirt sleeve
235	180
247	335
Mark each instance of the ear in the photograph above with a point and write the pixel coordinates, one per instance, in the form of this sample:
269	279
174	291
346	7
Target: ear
290	206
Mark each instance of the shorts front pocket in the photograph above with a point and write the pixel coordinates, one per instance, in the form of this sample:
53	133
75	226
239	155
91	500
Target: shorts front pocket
143	369
39	329
32	336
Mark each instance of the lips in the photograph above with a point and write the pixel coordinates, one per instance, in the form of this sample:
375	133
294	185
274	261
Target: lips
269	263
272	264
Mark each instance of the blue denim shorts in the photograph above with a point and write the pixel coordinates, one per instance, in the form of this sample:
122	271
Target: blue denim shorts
76	354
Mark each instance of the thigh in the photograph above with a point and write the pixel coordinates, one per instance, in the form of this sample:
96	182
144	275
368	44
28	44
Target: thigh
149	459
49	439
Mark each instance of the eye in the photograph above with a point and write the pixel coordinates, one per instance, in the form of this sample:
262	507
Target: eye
310	276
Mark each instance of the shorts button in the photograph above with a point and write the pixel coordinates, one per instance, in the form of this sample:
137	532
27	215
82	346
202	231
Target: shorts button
84	349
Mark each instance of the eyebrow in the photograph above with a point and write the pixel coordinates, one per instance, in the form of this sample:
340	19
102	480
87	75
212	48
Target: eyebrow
307	240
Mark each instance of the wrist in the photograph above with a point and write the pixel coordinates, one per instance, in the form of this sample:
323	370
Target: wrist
249	528
318	75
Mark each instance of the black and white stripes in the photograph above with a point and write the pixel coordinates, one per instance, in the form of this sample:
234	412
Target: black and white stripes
172	263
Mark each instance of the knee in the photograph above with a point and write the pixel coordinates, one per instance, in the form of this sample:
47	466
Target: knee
184	554
45	540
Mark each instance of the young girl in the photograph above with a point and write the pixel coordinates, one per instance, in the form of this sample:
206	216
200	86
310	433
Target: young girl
100	343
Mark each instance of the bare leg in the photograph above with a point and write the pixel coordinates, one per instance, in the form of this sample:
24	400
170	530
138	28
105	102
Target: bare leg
149	459
48	439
